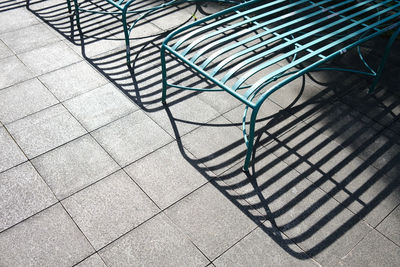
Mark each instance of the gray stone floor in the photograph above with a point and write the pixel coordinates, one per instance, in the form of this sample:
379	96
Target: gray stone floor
95	171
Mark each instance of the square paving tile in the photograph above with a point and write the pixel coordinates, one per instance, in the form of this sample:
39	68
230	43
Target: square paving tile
24	99
218	145
210	220
157	242
319	225
264	247
10	154
163	20
23	193
373	250
98	46
92	261
188	114
4	50
131	137
100	106
72	80
270	119
45	130
15	19
390	227
50	57
49	238
165	175
13	71
29	38
74	166
220	101
110	208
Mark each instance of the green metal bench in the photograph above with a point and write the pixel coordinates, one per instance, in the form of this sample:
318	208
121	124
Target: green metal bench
253	49
124	8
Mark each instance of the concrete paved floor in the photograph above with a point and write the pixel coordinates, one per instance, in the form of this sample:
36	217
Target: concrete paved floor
95	171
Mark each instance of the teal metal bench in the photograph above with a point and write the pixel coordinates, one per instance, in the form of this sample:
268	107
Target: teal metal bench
124	8
235	49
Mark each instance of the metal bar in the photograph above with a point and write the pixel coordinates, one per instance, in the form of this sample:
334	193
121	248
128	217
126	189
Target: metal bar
309	44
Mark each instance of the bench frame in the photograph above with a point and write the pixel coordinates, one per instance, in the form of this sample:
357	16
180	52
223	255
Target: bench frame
259	88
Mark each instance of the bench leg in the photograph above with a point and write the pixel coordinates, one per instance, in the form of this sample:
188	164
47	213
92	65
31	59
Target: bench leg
384	59
126	34
164	75
71	17
78	21
250	139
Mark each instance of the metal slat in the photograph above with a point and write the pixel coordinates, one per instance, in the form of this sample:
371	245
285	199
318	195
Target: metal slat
254	28
272	40
230	27
294	31
309	44
332	44
218	23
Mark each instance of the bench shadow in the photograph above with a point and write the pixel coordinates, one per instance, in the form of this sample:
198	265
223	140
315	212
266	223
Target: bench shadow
323	167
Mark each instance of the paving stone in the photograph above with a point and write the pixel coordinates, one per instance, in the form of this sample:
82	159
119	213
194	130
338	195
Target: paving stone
72	80
208	211
100	45
92	261
300	98
52	11
322	227
270	119
390	226
49	238
165	21
131	138
10	154
50	57
13	71
262	248
373	250
157	242
24	99
4	50
45	130
357	133
165	175
382	152
342	124
74	166
100	106
220	101
24	193
29	38
188	115
218	145
110	208
15	19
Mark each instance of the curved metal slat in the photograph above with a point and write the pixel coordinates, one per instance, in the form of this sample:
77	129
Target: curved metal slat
255	86
230	27
276	38
254	28
220	22
266	32
300	49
